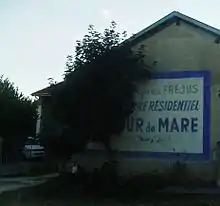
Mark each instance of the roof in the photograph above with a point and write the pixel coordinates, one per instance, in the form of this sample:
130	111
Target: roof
149	31
166	21
46	91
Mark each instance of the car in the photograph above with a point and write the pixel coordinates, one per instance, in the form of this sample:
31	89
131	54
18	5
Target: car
33	149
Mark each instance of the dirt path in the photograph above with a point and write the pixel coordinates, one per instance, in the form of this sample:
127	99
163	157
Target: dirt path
10	184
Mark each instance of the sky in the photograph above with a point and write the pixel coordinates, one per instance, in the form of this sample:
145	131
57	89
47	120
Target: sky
37	35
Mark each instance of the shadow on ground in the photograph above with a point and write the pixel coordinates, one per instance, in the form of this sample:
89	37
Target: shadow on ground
86	190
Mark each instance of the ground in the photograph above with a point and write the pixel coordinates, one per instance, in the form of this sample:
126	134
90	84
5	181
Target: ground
15	200
58	193
67	190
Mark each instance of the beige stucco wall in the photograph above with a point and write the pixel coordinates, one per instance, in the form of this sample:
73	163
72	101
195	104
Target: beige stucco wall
184	47
178	48
39	112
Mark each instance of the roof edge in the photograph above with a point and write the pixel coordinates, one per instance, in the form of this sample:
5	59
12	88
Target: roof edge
175	14
45	91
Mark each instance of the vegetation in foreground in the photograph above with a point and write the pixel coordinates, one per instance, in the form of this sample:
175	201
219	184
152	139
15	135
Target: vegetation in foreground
96	189
97	92
17	119
35	197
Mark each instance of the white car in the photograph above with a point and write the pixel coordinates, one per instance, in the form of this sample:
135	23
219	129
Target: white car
33	149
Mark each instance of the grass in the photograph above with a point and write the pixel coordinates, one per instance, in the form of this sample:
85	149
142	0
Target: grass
105	188
16	199
67	190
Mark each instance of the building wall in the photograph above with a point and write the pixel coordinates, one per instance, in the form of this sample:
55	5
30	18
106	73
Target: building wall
39	112
179	48
184	47
46	124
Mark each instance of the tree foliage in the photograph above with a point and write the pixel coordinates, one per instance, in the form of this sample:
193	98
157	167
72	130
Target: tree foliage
18	115
51	81
98	90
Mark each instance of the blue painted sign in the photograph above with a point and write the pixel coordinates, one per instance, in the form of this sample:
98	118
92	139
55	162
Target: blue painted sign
171	117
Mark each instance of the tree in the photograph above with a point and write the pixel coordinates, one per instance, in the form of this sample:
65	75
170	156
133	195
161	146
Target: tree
97	94
51	81
18	116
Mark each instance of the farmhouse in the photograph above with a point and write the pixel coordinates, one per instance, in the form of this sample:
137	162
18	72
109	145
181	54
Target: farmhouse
177	115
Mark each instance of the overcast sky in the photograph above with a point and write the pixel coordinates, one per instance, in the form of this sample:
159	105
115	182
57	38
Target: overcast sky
37	35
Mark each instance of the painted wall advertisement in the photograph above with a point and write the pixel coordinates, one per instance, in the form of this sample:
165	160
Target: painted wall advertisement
172	116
